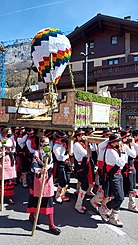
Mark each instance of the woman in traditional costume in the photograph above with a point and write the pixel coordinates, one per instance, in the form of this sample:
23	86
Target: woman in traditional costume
9	165
38	170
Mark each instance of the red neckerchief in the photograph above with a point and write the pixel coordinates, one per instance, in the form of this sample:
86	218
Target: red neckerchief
15	137
33	143
61	143
111	147
20	136
82	144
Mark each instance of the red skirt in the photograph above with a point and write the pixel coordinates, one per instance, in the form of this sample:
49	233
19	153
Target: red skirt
8	187
46	204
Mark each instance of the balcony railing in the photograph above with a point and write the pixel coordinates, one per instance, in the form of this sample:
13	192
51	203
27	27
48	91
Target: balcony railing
116	70
103	72
126	95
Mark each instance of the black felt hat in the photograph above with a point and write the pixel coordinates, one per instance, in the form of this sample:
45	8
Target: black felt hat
106	132
124	134
61	134
79	132
30	131
128	128
88	131
135	132
114	138
48	132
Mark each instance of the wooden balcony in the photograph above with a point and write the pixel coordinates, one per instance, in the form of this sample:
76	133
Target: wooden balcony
96	74
125	94
112	72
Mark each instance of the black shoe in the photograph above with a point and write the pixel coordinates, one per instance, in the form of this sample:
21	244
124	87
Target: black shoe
55	231
10	201
31	218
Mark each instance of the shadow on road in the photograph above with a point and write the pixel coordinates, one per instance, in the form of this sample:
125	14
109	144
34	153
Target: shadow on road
7	223
65	214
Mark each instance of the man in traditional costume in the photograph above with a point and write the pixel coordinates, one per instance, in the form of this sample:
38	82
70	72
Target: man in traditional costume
129	172
115	160
80	150
22	161
60	151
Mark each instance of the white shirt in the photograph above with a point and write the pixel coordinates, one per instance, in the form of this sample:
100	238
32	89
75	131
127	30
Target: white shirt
136	148
101	149
60	152
129	152
93	147
28	143
79	151
21	141
112	158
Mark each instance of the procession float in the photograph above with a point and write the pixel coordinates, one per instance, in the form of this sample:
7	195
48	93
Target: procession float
51	53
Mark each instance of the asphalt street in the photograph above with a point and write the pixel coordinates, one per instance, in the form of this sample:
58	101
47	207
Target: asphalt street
76	228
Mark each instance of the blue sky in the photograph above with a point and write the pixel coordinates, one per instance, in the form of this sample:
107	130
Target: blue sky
24	18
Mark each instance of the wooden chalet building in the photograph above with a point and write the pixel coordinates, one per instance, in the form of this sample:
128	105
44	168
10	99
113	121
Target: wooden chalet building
114	62
111	46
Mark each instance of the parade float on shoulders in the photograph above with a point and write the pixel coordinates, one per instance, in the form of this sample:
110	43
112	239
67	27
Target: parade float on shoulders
51	53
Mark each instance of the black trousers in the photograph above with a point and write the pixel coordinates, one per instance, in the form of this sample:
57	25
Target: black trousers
116	185
25	164
81	172
64	173
129	181
136	167
83	179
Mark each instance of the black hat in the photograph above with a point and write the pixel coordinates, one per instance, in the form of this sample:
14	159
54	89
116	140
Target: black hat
135	132
114	138
88	131
79	131
48	132
128	128
106	132
29	132
61	134
124	134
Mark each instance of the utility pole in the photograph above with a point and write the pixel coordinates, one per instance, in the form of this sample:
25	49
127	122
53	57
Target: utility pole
86	54
86	67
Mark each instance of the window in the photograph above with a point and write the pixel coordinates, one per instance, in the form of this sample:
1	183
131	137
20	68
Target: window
115	86
113	62
136	58
63	95
132	85
114	40
91	45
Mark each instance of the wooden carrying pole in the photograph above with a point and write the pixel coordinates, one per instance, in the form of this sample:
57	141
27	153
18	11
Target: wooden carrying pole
40	197
96	140
2	179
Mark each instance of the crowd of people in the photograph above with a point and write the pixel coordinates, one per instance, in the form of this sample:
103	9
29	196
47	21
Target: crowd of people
107	171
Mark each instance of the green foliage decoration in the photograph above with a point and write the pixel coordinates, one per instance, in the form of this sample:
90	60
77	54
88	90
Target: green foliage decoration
87	96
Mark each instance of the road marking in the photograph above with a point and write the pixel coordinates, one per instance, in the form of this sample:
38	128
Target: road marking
116	229
112	227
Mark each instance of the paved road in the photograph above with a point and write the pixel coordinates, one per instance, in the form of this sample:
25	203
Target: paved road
77	229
